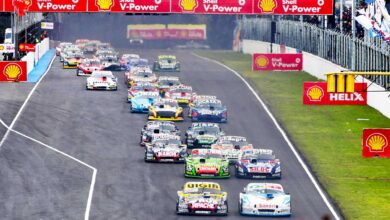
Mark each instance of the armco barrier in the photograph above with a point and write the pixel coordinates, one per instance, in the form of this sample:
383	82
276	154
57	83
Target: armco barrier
311	64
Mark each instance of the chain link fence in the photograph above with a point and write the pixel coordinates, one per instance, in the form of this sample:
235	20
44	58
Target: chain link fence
358	55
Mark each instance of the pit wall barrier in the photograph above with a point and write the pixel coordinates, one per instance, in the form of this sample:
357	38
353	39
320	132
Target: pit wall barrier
311	63
32	58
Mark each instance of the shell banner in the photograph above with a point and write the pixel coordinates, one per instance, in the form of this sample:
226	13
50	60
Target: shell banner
281	7
13	71
277	62
376	142
315	93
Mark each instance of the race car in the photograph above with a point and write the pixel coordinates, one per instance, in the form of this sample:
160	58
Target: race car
208	110
71	61
166	82
202	198
258	163
231	147
182	93
102	80
157	127
203	97
141	87
81	43
139	72
202	135
166	110
126	58
165	148
61	47
90	47
103	46
166	63
87	66
69	51
141	101
264	199
206	163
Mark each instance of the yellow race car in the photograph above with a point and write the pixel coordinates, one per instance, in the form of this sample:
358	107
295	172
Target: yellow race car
202	198
72	62
166	110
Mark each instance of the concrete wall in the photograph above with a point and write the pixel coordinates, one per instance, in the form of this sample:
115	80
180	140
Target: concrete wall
32	58
318	67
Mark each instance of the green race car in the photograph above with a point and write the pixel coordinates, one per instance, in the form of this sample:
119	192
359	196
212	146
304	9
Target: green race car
206	163
166	63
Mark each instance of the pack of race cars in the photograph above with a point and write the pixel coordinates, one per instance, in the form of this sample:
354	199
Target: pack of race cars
206	151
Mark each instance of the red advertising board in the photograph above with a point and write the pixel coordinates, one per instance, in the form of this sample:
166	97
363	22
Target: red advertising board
132	6
177	34
281	62
315	93
13	71
23	47
376	142
46	5
293	7
213	6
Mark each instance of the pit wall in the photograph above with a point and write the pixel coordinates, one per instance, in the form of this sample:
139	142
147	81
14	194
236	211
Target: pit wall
32	58
318	67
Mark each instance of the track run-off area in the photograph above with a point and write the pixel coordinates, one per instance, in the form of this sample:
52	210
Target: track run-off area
75	154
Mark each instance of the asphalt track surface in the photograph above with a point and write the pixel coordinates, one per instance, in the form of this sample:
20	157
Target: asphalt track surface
97	128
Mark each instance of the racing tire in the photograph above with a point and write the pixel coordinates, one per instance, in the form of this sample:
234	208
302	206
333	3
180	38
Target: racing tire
77	72
239	207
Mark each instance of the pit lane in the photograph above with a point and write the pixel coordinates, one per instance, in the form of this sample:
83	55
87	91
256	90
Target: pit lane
97	127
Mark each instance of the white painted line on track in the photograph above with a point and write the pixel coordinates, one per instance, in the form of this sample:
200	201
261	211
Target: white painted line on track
289	143
10	129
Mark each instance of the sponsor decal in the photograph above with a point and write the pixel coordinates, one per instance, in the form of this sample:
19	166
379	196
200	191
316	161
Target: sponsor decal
13	71
7	48
188	5
47	25
315	93
277	62
376	142
202	205
267	6
104	5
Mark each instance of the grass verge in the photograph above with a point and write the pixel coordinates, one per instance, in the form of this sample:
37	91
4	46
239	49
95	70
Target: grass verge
329	137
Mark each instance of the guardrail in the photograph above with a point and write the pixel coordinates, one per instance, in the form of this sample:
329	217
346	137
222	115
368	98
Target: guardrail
370	55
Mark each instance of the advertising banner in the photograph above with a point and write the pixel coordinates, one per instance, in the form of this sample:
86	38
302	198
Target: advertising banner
315	93
13	71
23	47
280	62
293	7
282	7
47	25
23	6
7	48
166	32
376	142
130	6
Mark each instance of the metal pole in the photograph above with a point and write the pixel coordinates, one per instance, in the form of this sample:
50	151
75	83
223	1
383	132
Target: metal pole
341	15
353	58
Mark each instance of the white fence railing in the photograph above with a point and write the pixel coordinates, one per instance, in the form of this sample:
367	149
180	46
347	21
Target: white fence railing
32	58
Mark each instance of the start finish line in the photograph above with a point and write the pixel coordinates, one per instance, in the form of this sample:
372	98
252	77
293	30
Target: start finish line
254	7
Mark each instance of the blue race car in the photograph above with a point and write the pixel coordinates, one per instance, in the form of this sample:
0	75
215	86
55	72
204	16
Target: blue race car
141	101
136	63
258	163
264	199
208	110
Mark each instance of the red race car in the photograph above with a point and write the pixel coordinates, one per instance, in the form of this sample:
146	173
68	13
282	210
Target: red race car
87	66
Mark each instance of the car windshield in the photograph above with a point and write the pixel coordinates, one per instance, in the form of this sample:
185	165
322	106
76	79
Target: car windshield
144	74
210	105
169	82
207	130
143	88
147	96
201	191
236	142
208	155
98	75
263	191
92	62
181	89
167	142
260	157
167	60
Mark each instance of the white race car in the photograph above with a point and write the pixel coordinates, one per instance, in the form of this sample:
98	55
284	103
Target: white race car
102	80
264	199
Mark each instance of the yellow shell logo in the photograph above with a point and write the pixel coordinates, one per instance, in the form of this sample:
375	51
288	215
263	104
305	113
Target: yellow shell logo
12	71
188	5
267	6
105	5
377	142
315	93
1	47
27	2
262	61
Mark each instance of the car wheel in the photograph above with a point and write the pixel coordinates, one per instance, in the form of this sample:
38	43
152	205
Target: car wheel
240	207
